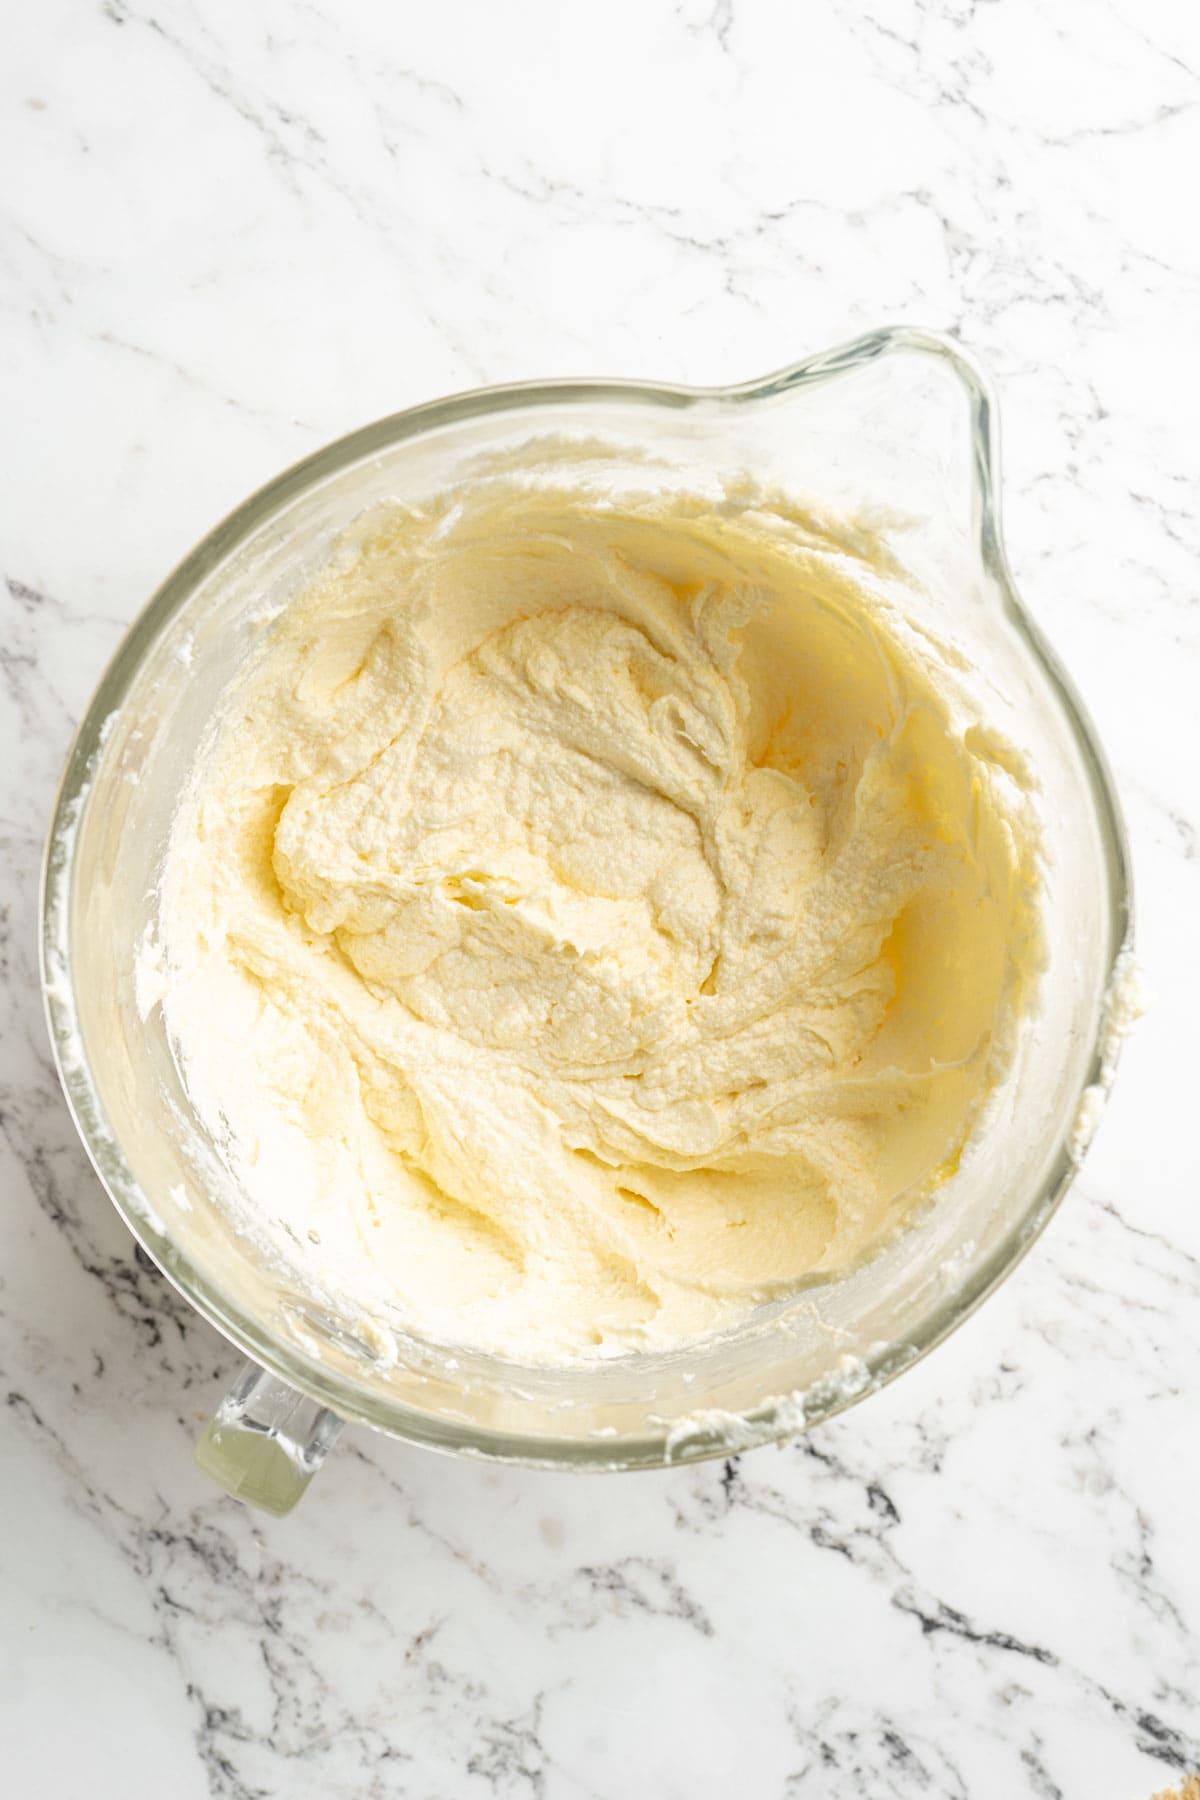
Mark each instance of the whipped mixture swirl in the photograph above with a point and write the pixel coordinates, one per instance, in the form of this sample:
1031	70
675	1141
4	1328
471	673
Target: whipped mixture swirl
590	921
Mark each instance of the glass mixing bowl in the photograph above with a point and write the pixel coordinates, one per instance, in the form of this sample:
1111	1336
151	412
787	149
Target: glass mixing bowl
898	423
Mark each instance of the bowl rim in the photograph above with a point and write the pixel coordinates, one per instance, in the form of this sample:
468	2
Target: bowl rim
774	1417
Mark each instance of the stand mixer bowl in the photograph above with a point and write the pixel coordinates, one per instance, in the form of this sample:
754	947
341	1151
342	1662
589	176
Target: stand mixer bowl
899	425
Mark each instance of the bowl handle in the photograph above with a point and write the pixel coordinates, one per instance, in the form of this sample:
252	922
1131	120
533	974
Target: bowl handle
266	1441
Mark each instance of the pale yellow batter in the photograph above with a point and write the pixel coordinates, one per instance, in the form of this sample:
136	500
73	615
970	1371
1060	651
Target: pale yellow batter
592	921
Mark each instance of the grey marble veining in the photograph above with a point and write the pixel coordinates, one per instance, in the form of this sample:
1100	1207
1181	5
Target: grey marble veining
227	234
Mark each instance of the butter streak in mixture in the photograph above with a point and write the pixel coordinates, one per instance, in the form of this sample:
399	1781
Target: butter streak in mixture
592	920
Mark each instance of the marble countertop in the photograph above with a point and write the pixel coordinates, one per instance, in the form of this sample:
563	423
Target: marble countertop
229	234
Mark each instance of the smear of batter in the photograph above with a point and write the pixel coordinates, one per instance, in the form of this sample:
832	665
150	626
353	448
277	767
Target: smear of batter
592	920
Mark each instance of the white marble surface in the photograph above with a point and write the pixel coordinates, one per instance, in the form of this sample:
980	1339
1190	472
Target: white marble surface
229	233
